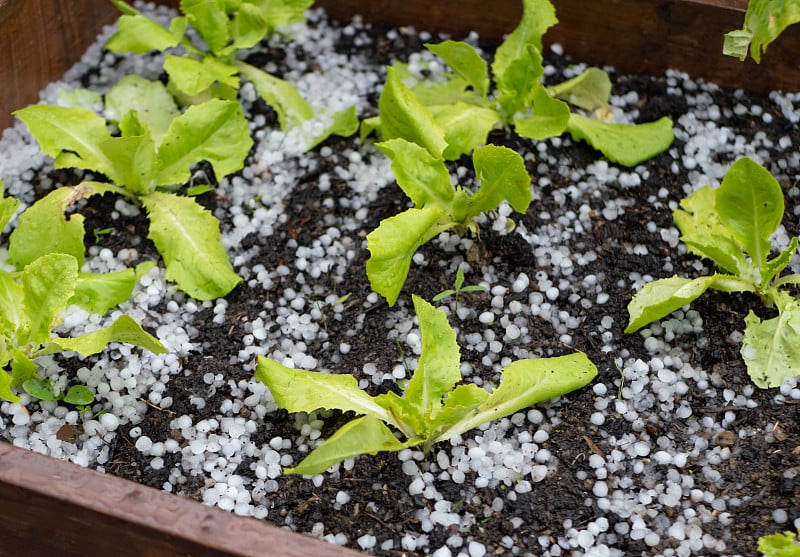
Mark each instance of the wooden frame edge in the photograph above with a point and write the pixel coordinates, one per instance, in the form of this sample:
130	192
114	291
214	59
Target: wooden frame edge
51	507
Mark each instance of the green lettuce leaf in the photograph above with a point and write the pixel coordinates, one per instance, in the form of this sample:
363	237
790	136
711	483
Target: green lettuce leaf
394	243
404	116
97	293
215	131
549	117
48	284
367	435
770	348
154	107
139	34
659	298
188	238
465	62
625	144
421	176
750	204
44	227
528	382
123	329
764	21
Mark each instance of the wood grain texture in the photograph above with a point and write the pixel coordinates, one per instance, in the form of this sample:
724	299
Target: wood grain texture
50	507
39	40
636	36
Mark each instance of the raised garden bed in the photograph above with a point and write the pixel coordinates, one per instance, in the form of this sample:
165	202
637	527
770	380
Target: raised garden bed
752	450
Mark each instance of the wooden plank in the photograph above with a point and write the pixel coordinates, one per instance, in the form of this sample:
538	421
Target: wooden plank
40	40
636	36
50	507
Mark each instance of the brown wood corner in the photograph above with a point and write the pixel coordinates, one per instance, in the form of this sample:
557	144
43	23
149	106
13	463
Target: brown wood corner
49	507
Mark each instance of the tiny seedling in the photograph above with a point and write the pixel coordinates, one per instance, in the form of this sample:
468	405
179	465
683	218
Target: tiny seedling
430	409
458	288
147	163
213	70
438	205
782	544
764	21
461	109
731	226
42	389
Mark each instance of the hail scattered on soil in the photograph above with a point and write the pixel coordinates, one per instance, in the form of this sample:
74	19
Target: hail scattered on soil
639	462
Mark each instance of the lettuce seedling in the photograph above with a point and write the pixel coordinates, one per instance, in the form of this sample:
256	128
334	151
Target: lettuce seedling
463	108
214	70
438	205
147	163
458	288
731	226
764	21
31	302
431	407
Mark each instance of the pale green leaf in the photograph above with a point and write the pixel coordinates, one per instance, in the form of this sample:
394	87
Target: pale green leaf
549	116
282	96
777	264
404	116
438	369
465	62
503	177
367	435
22	368
343	123
750	203
188	238
280	13
97	293
625	144
134	160
537	17
192	76
393	244
215	131
705	235
517	85
5	388
72	136
48	284
123	329
44	228
139	34
8	207
466	126
589	90
528	382
781	544
659	298
210	20
249	26
764	21
459	404
298	390
422	177
771	348
155	108
12	306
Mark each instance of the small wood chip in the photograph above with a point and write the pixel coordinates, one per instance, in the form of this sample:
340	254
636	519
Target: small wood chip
725	439
69	433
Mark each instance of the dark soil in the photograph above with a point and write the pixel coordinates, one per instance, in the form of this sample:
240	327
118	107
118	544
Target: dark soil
380	500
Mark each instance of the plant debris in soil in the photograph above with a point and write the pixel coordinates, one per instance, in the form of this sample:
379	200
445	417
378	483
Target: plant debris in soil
671	451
